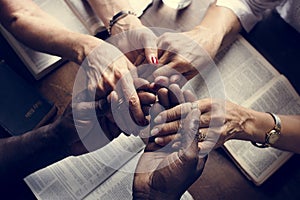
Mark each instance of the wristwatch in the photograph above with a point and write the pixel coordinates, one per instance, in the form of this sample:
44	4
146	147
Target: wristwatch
273	135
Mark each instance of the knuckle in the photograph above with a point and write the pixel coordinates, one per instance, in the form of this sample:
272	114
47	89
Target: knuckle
133	100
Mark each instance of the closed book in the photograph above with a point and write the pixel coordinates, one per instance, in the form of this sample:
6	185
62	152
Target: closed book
22	107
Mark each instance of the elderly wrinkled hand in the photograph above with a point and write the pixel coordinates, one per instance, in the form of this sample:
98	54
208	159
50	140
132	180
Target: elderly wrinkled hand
165	174
220	121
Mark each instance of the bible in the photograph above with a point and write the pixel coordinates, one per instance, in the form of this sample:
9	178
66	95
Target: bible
76	15
251	81
22	106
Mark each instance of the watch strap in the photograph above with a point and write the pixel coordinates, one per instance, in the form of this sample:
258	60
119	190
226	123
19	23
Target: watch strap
275	130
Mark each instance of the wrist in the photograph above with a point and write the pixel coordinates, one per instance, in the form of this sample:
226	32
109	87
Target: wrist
256	126
83	46
127	23
209	39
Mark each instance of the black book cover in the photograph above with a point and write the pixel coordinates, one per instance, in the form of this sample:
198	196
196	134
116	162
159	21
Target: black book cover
22	106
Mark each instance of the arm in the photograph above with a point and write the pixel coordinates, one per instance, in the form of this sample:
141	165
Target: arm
249	12
217	29
76	132
224	120
31	25
22	155
136	35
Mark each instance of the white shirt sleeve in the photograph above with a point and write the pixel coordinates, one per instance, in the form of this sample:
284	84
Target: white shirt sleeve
249	12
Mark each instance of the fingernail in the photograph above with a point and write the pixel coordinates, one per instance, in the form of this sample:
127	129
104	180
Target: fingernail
174	78
154	131
158	119
159	140
154	60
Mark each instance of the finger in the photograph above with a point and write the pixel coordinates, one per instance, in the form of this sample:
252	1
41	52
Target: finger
142	84
146	110
114	130
175	78
163	99
166	70
150	47
189	96
151	55
118	113
146	98
178	79
175	95
161	81
139	59
163	141
190	148
165	56
155	109
171	114
85	109
103	124
146	71
166	128
209	143
130	95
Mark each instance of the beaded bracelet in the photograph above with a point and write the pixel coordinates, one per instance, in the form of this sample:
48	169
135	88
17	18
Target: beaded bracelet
117	17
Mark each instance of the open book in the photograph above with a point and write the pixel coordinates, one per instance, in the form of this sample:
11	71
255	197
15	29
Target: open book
76	15
251	81
103	174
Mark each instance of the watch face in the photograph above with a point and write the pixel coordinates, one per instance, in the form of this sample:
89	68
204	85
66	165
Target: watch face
274	136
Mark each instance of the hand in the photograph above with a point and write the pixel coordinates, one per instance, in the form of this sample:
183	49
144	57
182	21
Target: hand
220	121
186	53
135	40
107	69
163	174
79	129
121	111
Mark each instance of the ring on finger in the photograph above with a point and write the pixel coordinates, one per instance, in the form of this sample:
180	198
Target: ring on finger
201	136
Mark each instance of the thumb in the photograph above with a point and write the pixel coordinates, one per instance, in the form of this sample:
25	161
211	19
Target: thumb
190	150
86	108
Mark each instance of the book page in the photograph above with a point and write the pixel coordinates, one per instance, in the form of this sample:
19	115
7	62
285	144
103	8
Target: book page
86	15
36	62
61	11
75	177
119	185
242	71
277	96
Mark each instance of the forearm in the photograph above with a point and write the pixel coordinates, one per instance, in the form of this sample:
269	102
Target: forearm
260	123
106	9
22	155
218	28
40	31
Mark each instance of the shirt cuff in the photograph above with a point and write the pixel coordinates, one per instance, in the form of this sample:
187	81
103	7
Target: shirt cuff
242	11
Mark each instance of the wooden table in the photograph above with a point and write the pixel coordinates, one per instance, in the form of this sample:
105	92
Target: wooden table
221	178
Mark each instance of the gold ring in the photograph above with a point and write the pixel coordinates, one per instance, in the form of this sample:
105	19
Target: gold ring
201	136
